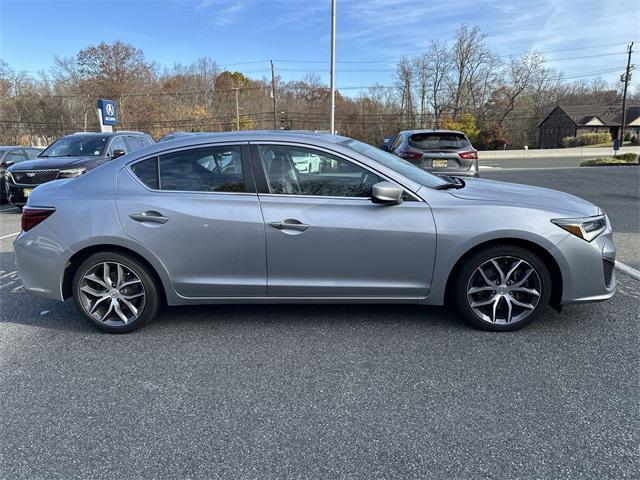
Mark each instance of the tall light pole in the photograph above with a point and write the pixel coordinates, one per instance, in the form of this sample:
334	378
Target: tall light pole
332	114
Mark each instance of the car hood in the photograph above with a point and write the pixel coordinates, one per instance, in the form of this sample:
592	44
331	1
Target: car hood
44	163
503	192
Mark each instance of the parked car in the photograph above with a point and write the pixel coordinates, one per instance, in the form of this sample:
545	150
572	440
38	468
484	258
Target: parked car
10	156
173	136
441	152
69	157
228	218
386	143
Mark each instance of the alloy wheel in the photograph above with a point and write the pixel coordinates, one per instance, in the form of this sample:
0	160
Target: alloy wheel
504	290
112	293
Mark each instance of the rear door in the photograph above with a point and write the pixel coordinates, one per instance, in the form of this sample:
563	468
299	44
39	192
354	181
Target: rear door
197	210
325	238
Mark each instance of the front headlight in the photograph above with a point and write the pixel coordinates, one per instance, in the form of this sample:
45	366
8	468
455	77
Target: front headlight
71	173
8	177
587	228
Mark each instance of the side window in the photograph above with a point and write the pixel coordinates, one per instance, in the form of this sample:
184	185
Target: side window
147	172
33	152
16	156
209	169
117	144
136	142
302	171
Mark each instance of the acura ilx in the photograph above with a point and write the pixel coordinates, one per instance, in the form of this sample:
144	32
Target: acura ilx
295	217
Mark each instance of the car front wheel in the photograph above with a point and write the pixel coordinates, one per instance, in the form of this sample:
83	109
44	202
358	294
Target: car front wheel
115	292
502	288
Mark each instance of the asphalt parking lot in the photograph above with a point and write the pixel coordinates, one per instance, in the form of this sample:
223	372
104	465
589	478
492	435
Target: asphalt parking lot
326	391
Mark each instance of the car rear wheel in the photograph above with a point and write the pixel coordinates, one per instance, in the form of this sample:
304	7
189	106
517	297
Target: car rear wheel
115	292
502	288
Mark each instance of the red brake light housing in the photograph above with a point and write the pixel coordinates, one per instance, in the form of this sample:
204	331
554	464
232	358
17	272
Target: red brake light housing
471	155
407	155
33	216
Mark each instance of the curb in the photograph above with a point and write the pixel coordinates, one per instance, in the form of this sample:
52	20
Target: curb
632	272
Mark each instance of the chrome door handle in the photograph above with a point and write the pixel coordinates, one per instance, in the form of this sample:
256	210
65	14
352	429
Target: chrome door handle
149	216
289	224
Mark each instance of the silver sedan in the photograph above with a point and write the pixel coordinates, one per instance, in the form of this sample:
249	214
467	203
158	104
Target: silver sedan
268	217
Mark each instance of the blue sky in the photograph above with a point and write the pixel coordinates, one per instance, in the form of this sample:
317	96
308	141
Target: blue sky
233	32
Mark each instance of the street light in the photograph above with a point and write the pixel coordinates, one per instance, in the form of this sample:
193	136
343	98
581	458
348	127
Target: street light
332	114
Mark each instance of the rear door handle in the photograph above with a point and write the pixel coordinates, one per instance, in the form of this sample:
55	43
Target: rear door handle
289	224
149	216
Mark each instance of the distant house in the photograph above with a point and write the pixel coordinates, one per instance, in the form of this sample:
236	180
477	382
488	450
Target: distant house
571	120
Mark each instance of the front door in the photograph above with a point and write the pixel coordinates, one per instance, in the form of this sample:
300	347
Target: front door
197	210
325	238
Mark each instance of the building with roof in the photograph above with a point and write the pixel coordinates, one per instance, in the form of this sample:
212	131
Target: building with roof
571	120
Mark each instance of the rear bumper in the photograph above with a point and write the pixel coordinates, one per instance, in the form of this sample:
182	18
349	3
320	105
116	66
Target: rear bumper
41	258
455	173
452	171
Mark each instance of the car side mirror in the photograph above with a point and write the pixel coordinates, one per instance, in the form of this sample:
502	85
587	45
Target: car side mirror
7	163
117	153
386	193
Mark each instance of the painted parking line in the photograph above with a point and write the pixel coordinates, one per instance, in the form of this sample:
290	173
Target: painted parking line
9	236
632	272
6	209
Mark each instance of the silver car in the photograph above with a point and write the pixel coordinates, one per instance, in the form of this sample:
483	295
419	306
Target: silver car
268	217
441	152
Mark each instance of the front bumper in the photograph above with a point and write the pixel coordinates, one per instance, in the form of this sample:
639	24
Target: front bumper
16	195
589	274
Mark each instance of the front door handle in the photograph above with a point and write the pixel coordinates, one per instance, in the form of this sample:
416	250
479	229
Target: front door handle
149	216
289	224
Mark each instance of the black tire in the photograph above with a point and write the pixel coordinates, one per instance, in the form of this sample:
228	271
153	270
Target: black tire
463	279
152	301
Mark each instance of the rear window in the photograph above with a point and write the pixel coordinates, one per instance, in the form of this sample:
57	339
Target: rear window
438	141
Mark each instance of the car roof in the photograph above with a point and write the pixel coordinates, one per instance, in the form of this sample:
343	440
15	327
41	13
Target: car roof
107	134
195	138
11	147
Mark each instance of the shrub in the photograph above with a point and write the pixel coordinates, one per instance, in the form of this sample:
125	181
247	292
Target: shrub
623	159
587	139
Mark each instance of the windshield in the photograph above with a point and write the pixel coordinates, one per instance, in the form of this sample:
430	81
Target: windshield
396	164
77	146
438	141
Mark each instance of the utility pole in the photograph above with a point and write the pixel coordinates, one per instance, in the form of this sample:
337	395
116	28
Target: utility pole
237	109
627	76
273	95
332	114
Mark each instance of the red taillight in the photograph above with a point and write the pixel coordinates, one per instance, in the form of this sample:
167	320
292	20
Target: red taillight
33	216
407	155
473	155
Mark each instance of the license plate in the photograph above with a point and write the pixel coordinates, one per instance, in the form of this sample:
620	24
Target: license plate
439	163
27	191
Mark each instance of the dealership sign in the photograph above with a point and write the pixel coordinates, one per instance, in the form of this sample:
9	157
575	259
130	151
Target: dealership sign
108	112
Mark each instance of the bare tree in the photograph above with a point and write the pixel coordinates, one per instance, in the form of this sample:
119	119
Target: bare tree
471	57
439	64
404	82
